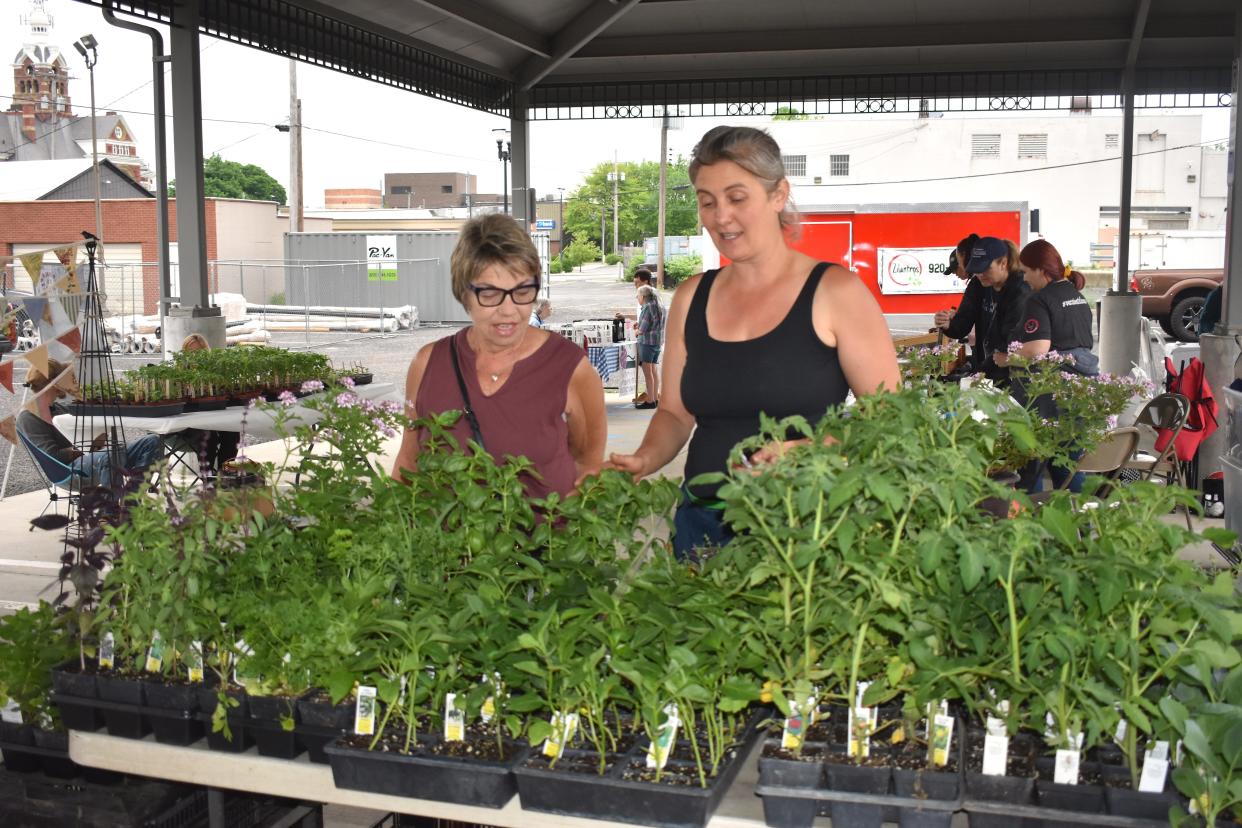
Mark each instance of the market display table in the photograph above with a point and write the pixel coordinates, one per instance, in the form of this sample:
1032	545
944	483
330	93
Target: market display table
609	358
258	423
302	780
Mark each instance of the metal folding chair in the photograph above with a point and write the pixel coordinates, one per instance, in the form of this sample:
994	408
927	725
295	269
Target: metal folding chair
1110	456
1164	412
56	476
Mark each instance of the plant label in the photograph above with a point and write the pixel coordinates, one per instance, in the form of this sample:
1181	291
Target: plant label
1155	768
454	719
1066	772
996	727
364	712
659	750
489	704
995	754
795	728
564	726
941	740
196	661
107	651
10	713
861	725
155	654
934	710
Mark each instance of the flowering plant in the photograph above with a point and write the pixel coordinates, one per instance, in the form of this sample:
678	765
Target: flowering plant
920	365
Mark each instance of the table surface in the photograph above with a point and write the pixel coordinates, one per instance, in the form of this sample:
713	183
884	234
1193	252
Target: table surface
259	423
301	779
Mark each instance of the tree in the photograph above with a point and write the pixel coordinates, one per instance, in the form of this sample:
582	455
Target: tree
230	179
638	203
789	113
580	252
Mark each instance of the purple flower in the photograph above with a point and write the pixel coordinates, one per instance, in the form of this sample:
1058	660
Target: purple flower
346	399
287	398
348	382
311	385
254	403
1112	420
390	407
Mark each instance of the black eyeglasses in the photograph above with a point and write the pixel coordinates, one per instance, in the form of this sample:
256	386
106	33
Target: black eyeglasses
490	297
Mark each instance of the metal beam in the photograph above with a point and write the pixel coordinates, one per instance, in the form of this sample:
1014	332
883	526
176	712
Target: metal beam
824	40
188	154
576	34
1231	304
491	23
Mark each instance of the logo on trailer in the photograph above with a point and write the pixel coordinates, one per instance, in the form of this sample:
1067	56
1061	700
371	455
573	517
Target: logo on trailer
904	269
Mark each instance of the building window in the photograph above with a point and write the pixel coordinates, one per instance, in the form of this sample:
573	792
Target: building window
795	165
400	190
838	165
1033	145
446	188
985	145
1112	140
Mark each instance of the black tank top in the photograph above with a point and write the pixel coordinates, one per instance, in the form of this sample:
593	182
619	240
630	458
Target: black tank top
726	385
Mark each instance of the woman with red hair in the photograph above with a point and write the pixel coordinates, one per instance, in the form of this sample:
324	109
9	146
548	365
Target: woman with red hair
1057	320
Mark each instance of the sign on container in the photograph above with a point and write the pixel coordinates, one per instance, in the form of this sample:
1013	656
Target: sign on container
917	270
381	258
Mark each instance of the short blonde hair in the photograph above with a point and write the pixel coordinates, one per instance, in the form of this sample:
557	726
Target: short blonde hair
487	240
195	342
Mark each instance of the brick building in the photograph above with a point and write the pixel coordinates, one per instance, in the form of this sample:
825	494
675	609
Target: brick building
433	190
358	198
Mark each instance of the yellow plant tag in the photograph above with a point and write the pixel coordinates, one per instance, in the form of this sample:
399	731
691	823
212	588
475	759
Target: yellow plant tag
155	654
564	726
942	740
454	719
196	661
796	725
862	722
364	712
659	750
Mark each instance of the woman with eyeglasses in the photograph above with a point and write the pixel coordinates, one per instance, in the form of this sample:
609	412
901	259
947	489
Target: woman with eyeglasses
526	392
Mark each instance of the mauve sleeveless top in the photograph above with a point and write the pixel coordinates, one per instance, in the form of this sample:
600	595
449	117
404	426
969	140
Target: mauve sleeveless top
524	418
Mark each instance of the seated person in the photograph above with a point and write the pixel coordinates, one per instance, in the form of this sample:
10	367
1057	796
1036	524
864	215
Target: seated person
95	465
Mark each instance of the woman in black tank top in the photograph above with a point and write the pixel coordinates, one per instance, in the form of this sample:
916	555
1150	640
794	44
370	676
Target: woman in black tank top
773	332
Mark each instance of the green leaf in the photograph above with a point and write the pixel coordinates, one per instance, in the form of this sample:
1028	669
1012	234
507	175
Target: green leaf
1136	716
1174	712
538	731
1059	524
970	565
528	642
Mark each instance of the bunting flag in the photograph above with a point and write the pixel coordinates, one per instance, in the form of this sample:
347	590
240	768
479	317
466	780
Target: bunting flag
65	255
33	262
37	357
6	375
73	339
36	307
8	429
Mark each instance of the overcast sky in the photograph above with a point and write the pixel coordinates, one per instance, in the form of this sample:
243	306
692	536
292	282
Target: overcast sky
382	129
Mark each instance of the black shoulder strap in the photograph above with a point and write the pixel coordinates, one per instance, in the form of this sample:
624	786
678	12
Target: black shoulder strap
475	431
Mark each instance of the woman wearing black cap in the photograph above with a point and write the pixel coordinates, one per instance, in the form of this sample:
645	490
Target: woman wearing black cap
994	262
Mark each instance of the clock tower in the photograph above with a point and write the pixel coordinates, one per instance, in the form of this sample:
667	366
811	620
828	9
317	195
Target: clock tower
40	75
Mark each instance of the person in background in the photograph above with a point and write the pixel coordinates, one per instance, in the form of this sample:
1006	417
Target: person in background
643	278
993	263
1056	318
962	321
774	332
540	313
532	393
1210	315
214	448
94	465
650	338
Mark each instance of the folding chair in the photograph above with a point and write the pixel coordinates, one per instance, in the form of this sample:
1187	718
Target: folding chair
1166	412
1109	456
55	474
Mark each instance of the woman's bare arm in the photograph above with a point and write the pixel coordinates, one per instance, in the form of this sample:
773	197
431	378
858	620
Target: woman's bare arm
587	419
407	455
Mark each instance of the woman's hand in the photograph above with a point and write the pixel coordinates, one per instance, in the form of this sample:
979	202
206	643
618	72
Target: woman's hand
772	452
634	465
944	317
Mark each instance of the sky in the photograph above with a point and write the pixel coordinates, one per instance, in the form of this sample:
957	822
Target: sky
245	93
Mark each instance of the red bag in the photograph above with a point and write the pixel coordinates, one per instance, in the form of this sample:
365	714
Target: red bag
1201	421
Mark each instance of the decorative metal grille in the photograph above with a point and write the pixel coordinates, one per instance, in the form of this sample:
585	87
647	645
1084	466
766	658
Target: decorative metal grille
838	165
1033	145
985	145
795	165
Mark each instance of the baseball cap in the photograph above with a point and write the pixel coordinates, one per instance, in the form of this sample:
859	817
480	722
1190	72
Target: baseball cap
952	266
987	250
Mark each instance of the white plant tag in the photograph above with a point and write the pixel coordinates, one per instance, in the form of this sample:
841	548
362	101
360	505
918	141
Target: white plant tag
659	750
155	654
364	712
454	719
861	725
1155	768
995	753
11	713
996	727
107	651
195	661
942	739
564	726
1066	772
1120	735
1177	754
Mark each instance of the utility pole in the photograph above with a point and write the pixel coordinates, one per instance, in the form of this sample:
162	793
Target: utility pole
603	228
663	195
295	151
615	177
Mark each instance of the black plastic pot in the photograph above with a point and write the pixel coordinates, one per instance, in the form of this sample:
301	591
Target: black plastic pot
784	811
422	776
55	761
180	701
1123	800
1007	790
127	691
14	737
321	723
920	785
70	683
1081	798
853	778
273	740
273	708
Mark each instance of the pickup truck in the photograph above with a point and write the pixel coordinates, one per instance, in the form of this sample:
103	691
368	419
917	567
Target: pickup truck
1174	298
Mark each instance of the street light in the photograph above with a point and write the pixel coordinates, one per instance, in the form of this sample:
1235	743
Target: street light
87	47
560	230
503	150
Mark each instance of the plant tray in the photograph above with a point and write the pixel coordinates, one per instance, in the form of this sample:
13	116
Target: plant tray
135	721
435	778
624	800
126	410
273	740
206	405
